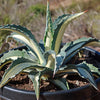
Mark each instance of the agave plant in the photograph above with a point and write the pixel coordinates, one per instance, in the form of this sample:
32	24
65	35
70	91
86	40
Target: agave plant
46	60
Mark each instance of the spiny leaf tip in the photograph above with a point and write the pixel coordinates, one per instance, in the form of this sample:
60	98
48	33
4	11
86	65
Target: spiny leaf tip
85	11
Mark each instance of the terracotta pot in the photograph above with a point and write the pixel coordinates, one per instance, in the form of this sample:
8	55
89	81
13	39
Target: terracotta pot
82	93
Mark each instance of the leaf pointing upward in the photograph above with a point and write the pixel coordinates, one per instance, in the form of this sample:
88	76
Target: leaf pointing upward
49	30
59	27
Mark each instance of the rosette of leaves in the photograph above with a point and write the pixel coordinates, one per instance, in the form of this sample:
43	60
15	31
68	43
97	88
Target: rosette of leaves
46	60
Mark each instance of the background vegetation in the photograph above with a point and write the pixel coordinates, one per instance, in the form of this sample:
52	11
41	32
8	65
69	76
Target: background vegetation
31	14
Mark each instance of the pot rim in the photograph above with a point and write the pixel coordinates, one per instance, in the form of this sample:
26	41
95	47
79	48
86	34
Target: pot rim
51	93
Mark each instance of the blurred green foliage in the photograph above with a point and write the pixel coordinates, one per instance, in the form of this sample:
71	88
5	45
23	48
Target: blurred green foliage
38	9
32	13
87	5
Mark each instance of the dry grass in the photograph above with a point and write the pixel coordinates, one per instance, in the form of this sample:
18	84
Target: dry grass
18	12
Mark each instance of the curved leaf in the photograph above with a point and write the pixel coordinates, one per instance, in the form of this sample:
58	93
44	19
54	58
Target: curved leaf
59	27
17	67
82	69
93	69
71	48
66	69
61	83
13	55
25	36
36	78
85	72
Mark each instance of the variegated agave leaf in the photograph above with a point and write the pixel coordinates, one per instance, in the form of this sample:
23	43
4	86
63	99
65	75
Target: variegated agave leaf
53	62
41	44
72	48
66	69
36	79
44	60
17	67
82	69
13	55
93	69
61	83
50	57
25	36
86	73
49	30
59	27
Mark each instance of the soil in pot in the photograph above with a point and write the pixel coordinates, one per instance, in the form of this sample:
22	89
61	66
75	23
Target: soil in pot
22	81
